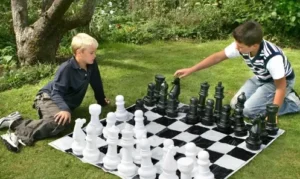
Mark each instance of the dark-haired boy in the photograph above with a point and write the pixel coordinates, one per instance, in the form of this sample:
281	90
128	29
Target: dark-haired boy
274	77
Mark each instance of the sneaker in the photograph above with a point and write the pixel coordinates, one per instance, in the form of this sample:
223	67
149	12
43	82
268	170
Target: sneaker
293	96
12	142
6	121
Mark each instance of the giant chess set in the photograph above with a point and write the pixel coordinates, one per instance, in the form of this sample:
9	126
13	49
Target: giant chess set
160	137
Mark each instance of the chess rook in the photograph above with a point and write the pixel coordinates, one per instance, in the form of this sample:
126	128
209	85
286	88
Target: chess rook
224	124
185	166
219	95
201	102
271	126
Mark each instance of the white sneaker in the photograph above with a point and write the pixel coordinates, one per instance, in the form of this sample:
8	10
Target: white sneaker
6	121
11	141
294	97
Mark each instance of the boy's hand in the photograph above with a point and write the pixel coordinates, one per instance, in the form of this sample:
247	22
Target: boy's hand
183	72
62	117
107	100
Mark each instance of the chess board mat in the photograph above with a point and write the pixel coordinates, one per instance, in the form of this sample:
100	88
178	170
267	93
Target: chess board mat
227	152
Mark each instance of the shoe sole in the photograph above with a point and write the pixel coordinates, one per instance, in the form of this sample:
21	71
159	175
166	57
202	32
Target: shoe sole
9	146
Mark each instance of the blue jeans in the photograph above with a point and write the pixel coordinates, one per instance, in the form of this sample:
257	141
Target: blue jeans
259	94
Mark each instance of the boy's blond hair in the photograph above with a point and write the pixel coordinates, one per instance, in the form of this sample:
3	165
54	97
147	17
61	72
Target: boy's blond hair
83	41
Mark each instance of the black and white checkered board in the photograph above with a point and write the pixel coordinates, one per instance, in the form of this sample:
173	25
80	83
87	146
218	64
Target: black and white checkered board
228	153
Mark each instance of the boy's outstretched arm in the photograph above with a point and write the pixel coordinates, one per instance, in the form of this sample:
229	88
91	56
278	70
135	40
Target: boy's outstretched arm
280	85
207	62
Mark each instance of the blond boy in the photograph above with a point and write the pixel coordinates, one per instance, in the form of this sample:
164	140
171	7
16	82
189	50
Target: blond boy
55	101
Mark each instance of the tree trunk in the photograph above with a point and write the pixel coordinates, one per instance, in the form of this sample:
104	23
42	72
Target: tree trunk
38	42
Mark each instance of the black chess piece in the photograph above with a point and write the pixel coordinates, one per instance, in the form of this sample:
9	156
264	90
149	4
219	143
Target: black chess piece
201	102
219	95
159	79
271	125
240	129
176	89
253	141
172	106
264	134
191	117
139	105
224	122
150	99
241	99
162	103
208	119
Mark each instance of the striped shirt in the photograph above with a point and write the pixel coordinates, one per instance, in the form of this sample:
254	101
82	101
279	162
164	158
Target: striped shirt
269	63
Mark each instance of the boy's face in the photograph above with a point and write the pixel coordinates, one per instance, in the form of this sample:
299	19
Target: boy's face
246	49
87	55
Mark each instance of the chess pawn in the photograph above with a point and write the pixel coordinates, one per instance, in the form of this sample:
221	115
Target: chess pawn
172	106
95	110
162	103
185	166
159	79
121	112
240	129
208	116
191	117
169	165
139	127
201	102
203	166
150	99
79	137
139	105
219	95
224	123
110	121
253	141
127	168
111	159
191	152
147	170
271	126
241	99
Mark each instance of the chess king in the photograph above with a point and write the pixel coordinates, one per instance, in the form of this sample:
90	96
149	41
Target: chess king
55	101
274	76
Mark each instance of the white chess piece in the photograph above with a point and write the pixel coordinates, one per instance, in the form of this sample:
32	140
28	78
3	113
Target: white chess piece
111	159
203	166
191	152
137	155
147	170
139	127
121	113
110	121
185	166
127	168
79	137
169	165
95	110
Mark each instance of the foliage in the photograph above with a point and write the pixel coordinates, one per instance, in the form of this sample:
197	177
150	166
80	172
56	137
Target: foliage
17	77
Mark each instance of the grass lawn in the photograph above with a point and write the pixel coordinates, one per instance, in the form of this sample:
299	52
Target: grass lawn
127	69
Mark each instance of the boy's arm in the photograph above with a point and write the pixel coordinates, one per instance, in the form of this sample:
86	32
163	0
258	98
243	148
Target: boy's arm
96	84
280	85
207	62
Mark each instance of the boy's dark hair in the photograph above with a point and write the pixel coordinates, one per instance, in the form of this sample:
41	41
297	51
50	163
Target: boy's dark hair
248	33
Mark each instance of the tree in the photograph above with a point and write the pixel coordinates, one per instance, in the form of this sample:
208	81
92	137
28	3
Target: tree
39	41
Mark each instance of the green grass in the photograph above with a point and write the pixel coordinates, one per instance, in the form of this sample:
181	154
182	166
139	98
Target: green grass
127	69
